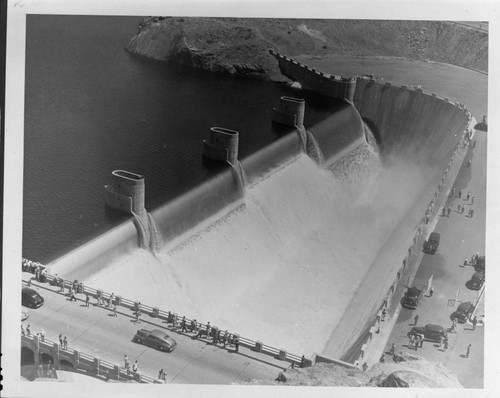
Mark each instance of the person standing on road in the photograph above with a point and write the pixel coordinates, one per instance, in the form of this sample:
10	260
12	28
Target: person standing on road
135	367
87	299
384	313
60	340
449	211
472	200
431	291
471	211
415	320
474	323
459	207
183	324
65	343
468	351
236	344
114	310
126	363
445	342
162	376
468	196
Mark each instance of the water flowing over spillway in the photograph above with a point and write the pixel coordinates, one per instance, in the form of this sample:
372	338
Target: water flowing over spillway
272	264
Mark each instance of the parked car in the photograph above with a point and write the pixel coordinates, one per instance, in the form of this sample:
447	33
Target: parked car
155	338
24	315
463	312
31	298
476	282
430	332
432	244
411	298
480	264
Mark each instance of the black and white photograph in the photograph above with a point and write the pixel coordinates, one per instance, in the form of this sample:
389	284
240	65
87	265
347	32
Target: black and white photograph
249	198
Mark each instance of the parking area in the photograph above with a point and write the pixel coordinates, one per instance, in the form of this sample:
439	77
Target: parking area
462	236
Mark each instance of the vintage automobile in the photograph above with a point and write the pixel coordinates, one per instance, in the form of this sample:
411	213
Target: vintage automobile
480	264
432	244
411	298
429	332
31	298
463	312
155	338
476	282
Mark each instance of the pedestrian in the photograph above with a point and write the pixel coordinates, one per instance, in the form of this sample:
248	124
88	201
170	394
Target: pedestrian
28	331
468	351
393	349
445	347
60	340
183	324
224	339
162	376
99	298
302	361
474	323
420	340
449	211
137	315
126	363
22	330
426	220
114	310
410	341
463	209
214	337
208	329
466	261
42	335
472	200
431	291
236	343
459	208
454	326
111	299
468	196
415	319
135	367
471	212
384	313
65	343
87	299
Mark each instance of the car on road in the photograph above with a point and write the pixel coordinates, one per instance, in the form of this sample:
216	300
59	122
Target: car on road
429	332
31	298
431	245
480	264
411	298
476	282
155	338
463	312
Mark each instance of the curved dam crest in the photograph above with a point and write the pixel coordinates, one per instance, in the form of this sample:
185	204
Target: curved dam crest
301	240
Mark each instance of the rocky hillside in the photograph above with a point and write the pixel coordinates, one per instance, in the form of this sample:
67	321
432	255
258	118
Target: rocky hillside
411	372
239	45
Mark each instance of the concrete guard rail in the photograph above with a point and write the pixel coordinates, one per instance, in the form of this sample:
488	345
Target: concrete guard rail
84	363
171	317
432	210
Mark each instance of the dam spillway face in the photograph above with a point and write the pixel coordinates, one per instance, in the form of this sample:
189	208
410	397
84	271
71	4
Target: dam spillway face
222	145
290	112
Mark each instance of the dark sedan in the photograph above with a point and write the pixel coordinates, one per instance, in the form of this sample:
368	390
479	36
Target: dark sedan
31	298
155	338
429	332
411	297
476	282
463	312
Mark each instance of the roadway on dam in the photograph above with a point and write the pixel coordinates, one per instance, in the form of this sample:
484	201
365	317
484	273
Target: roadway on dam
94	331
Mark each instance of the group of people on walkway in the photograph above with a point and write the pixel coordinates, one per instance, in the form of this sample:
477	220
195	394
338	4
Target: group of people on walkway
128	368
461	207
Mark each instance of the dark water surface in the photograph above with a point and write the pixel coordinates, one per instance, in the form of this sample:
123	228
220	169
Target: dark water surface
92	108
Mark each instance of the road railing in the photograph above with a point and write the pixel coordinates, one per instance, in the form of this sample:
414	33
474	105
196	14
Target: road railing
82	362
110	300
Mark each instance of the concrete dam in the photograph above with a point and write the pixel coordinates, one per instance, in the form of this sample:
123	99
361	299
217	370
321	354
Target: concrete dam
297	244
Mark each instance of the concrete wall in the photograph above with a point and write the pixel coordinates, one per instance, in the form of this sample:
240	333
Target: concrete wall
127	192
222	145
337	87
410	124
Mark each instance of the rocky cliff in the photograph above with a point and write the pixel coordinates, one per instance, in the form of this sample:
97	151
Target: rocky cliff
239	45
